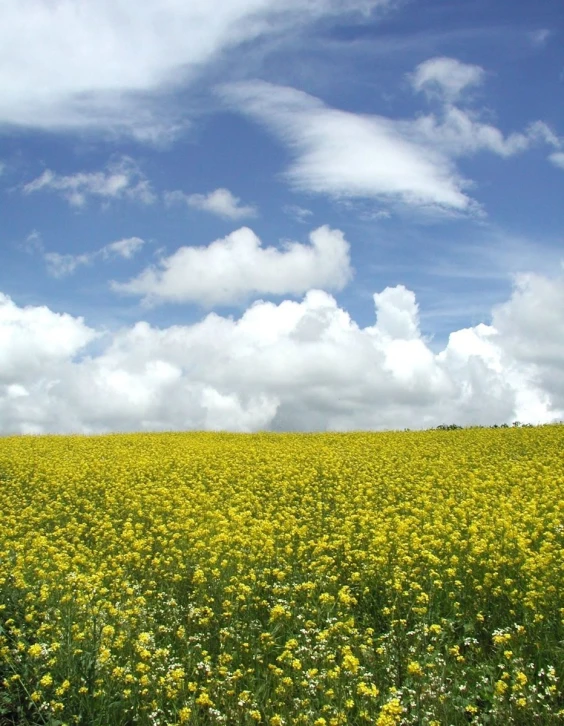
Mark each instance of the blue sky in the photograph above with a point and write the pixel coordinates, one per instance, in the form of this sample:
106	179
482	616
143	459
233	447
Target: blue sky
265	215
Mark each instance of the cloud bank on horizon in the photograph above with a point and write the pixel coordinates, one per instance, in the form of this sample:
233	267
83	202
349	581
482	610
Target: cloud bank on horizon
425	161
287	367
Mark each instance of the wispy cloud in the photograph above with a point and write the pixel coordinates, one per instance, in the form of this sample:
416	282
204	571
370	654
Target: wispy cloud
410	161
108	66
122	179
62	265
344	154
540	37
220	202
296	212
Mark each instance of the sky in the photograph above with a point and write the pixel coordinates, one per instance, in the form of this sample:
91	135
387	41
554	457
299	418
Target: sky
338	215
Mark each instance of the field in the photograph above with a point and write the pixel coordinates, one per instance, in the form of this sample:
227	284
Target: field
281	579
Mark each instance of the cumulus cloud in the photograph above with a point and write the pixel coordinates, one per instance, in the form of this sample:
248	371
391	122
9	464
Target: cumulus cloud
107	65
456	132
293	366
446	77
532	327
412	161
220	202
61	265
122	179
36	339
231	269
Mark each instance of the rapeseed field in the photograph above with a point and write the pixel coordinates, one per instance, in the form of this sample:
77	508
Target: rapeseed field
283	579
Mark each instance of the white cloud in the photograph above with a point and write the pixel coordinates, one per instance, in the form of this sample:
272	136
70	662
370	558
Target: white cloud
446	77
349	155
532	326
102	64
121	180
456	132
230	270
36	340
293	366
62	265
557	158
125	248
411	161
298	213
220	202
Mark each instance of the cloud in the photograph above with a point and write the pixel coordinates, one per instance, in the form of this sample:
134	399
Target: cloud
220	202
540	37
125	248
446	77
108	66
344	154
298	366
230	270
557	158
62	265
531	326
121	180
409	161
456	132
36	340
300	214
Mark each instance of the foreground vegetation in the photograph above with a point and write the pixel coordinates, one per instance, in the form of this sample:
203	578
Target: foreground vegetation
323	579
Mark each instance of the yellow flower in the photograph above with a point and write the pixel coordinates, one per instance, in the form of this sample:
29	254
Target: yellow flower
390	713
199	577
363	689
204	700
184	714
277	612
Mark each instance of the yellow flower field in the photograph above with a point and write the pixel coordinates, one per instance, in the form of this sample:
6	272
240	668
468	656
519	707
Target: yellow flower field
323	579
